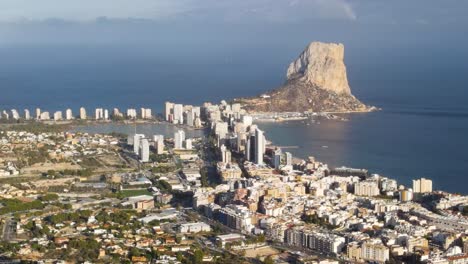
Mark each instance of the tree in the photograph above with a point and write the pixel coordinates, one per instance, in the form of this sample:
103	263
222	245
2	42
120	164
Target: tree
180	257
49	197
15	205
204	177
268	260
135	252
88	249
164	185
197	256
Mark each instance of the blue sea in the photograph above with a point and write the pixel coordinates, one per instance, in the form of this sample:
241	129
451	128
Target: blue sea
421	132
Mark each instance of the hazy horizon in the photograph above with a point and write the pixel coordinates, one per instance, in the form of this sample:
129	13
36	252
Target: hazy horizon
251	40
289	22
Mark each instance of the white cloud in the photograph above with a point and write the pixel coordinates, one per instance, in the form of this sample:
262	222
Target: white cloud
85	10
285	9
335	9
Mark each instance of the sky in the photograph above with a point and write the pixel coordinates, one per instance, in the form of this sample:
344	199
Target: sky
106	21
180	26
371	11
86	10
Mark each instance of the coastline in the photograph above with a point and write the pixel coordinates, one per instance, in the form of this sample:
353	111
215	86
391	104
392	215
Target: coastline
297	116
315	118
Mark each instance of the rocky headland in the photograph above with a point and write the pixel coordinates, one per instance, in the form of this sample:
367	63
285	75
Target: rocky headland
315	82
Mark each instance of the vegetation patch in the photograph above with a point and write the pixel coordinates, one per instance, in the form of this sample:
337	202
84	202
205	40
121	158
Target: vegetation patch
130	193
15	205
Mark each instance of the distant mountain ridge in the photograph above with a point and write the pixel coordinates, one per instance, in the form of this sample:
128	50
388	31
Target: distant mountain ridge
316	81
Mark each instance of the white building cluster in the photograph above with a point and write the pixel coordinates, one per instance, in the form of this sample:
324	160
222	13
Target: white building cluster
307	204
183	114
141	146
99	114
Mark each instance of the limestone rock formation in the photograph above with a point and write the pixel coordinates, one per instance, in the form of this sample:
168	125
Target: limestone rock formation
321	65
316	82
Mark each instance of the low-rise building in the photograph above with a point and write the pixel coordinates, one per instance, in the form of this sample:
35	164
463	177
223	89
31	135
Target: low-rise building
222	240
314	239
375	251
366	188
141	202
194	227
229	171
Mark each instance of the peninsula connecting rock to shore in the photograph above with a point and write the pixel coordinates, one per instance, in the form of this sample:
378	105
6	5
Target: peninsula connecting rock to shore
316	82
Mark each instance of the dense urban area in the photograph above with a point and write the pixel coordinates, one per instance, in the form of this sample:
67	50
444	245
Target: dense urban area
229	196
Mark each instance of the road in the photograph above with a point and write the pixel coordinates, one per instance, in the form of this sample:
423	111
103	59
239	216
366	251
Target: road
9	230
130	157
224	228
277	245
210	161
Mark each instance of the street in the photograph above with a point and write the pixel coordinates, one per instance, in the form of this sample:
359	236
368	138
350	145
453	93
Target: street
9	229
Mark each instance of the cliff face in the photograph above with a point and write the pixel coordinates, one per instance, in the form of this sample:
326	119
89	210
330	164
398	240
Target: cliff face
316	81
321	65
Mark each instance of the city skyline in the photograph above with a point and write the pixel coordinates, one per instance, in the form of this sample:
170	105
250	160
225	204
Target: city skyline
233	132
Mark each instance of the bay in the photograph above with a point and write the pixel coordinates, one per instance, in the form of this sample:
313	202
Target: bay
421	131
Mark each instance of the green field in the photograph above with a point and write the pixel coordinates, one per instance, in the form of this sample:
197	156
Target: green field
130	193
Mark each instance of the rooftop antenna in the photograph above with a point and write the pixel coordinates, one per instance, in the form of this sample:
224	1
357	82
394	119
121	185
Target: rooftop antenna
134	125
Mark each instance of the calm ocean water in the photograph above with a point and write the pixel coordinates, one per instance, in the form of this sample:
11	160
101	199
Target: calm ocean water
421	132
400	144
